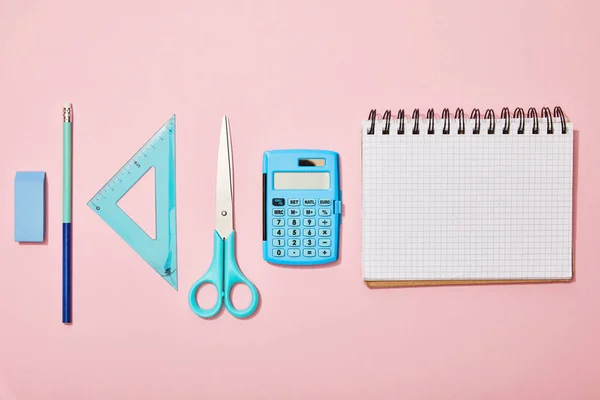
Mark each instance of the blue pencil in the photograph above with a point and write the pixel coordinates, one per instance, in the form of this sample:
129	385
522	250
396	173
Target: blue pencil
66	226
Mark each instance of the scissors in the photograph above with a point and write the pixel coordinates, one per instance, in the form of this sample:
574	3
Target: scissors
223	271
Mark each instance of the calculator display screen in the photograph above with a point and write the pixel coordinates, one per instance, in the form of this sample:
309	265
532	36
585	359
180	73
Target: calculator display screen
301	180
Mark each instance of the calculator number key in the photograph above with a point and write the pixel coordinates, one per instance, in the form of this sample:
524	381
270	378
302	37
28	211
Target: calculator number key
294	222
293	252
278	232
278	222
308	222
278	242
309	232
278	252
324	232
293	212
324	212
309	212
324	252
324	222
308	242
308	252
294	232
293	242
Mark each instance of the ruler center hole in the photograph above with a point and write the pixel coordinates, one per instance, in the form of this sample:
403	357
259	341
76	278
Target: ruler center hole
140	203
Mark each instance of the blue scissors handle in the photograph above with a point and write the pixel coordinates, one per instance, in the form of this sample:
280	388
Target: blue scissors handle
223	273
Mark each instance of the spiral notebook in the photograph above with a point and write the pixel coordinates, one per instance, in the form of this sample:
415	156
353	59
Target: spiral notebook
450	199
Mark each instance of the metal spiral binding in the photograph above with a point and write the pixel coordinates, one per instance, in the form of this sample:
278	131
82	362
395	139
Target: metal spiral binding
558	113
476	115
387	116
532	113
546	113
506	115
430	119
446	118
489	114
401	121
415	117
520	113
459	115
372	117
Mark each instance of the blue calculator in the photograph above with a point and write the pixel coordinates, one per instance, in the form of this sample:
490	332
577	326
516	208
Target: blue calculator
302	207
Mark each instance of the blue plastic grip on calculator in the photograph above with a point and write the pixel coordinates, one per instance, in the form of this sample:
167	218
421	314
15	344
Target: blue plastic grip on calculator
302	207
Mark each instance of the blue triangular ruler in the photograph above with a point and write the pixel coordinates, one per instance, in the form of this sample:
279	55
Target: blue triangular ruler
158	152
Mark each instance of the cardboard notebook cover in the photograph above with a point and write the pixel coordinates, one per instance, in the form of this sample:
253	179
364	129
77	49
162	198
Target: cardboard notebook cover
413	283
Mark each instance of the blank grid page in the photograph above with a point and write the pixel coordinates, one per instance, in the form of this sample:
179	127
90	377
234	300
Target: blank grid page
467	207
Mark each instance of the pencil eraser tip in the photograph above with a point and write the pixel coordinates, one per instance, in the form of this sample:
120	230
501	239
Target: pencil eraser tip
67	105
30	206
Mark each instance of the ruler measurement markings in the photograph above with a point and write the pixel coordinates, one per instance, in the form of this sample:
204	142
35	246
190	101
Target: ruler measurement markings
151	145
127	168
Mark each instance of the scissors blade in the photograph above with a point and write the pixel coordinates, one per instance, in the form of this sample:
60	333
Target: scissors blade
224	182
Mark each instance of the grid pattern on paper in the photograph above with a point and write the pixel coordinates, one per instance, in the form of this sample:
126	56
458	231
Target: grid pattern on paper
467	207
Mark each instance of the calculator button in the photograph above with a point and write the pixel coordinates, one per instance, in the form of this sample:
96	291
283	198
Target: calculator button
279	202
324	222
324	212
277	222
309	202
277	252
308	252
278	232
293	202
293	242
309	212
324	202
293	212
278	242
278	212
293	252
308	222
324	232
293	222
308	232
324	252
294	232
324	242
308	242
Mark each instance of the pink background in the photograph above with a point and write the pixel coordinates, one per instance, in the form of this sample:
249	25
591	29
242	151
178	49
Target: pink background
288	74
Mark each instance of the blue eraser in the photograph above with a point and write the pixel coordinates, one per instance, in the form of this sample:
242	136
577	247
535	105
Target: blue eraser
30	206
